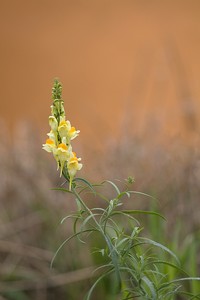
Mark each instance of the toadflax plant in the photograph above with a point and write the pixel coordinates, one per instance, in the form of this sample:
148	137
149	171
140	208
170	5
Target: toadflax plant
132	261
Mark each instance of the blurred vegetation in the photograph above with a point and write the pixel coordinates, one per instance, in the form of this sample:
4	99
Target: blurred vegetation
31	212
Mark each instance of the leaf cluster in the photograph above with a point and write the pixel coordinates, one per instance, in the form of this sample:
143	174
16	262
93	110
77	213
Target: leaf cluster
128	256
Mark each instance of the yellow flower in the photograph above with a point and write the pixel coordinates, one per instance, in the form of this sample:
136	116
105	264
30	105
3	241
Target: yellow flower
66	130
49	146
73	133
73	166
62	155
52	136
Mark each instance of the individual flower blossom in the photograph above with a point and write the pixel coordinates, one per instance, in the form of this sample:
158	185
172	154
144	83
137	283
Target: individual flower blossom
49	146
73	166
73	133
62	154
52	136
66	130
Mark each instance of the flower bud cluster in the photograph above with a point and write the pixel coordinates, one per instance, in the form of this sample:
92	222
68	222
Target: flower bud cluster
60	137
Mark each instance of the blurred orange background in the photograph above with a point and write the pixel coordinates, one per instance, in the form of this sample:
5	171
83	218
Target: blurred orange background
126	66
130	72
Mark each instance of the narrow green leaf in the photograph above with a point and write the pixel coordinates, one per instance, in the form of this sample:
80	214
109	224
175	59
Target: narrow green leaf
96	282
114	258
151	242
103	197
141	193
87	219
113	184
126	239
67	240
179	280
188	294
195	296
124	193
62	190
139	212
103	266
68	217
130	217
151	287
98	209
86	182
167	263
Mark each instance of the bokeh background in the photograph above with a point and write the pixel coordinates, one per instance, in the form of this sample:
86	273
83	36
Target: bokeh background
130	72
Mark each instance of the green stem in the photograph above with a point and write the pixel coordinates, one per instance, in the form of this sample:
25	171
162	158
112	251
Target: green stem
113	253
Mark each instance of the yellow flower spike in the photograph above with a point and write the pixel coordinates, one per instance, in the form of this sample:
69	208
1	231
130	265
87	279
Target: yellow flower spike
60	136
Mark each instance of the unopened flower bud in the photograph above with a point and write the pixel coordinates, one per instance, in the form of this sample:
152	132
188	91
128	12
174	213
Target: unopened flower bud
53	110
53	123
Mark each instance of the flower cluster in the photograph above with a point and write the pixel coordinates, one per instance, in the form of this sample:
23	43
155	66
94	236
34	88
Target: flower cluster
60	136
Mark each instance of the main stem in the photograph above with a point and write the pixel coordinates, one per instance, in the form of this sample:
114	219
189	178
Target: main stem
106	238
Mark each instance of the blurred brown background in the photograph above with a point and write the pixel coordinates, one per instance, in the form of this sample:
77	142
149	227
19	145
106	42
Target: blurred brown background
117	60
130	72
